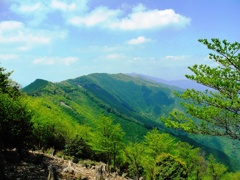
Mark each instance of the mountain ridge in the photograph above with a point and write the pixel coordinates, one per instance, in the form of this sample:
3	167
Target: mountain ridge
133	102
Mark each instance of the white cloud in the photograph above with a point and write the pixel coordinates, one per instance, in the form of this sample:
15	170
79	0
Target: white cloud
24	38
69	60
148	19
30	8
8	56
10	25
55	60
139	18
115	56
67	6
176	58
36	12
95	17
24	48
114	48
139	40
77	13
16	32
62	5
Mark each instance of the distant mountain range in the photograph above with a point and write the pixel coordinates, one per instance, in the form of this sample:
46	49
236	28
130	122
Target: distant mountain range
135	101
183	84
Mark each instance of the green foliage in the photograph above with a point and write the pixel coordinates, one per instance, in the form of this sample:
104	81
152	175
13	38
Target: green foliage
193	158
215	170
51	126
83	106
37	85
158	143
72	119
78	148
107	139
232	176
73	107
15	125
7	86
169	167
134	153
129	95
160	156
217	111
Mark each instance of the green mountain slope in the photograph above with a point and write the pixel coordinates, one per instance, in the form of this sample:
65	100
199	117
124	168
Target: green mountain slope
82	106
144	101
133	102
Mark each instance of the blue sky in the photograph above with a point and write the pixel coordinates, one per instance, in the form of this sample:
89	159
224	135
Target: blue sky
62	39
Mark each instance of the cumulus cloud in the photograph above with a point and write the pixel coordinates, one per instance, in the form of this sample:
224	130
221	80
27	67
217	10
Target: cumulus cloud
78	13
55	60
63	5
34	11
78	6
37	11
139	18
25	38
176	58
95	17
10	25
15	32
148	19
8	56
29	8
139	40
115	56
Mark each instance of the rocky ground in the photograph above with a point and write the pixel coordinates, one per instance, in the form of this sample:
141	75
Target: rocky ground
39	166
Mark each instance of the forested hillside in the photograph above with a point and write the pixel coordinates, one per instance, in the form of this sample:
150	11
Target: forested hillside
135	103
107	118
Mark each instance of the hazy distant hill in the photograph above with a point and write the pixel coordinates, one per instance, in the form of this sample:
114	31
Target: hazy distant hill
134	101
183	84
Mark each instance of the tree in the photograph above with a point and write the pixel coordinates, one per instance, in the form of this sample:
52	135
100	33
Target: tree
134	155
155	145
169	167
215	170
194	159
158	143
7	86
108	139
215	111
15	125
232	176
78	148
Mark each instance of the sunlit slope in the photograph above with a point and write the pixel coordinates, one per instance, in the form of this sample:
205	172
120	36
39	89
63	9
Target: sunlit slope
133	102
130	95
145	101
82	106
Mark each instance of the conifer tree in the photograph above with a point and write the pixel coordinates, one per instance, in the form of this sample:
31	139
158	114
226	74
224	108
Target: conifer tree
217	110
108	139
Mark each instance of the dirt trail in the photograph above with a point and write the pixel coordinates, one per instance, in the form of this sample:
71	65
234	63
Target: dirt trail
38	166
